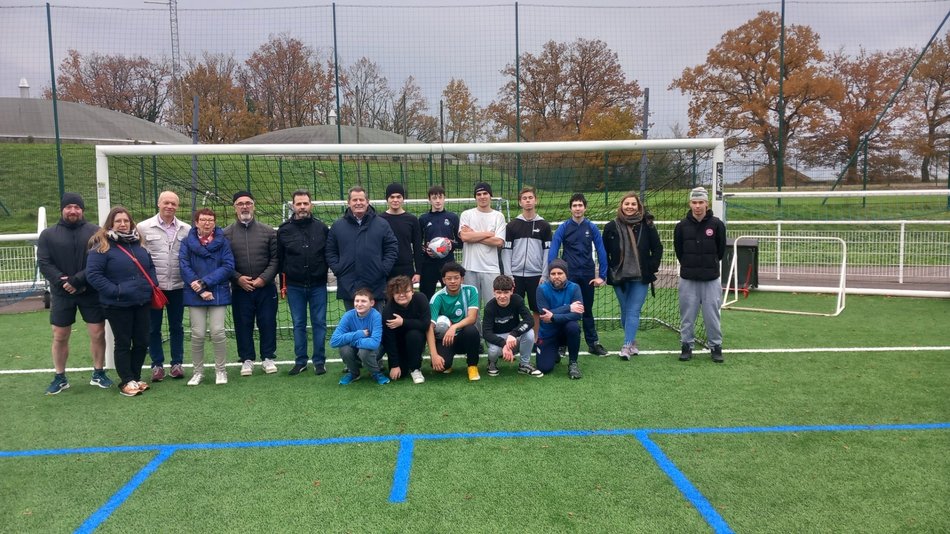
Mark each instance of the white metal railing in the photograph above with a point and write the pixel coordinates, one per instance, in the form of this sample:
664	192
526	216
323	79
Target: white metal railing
18	271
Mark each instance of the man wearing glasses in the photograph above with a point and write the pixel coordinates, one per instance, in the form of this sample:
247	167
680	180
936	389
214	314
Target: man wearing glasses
253	292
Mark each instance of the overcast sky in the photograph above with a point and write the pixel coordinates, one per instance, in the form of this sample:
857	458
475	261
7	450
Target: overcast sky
435	41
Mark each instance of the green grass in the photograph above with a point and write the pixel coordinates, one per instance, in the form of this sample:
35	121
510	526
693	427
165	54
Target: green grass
802	481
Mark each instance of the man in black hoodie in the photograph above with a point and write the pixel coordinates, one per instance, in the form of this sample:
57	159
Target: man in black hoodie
61	255
700	243
301	247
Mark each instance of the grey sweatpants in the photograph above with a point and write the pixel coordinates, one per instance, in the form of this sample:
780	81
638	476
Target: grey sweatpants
693	295
525	348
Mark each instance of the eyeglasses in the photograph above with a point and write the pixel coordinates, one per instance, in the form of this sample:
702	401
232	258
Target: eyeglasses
247	204
205	220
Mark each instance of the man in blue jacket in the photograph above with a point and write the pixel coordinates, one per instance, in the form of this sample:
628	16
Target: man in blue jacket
579	236
561	307
361	250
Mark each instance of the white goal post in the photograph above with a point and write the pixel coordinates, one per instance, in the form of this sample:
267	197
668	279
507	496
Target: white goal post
732	285
716	145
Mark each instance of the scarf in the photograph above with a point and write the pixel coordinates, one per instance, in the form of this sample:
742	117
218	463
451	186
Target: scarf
628	268
122	237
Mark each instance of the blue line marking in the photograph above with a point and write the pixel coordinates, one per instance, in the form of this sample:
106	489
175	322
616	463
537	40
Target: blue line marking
401	473
472	435
102	514
683	484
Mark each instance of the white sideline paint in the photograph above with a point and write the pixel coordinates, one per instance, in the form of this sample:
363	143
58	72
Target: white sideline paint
793	350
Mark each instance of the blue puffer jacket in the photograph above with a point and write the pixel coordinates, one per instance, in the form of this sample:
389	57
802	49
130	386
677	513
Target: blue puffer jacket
361	255
211	264
115	276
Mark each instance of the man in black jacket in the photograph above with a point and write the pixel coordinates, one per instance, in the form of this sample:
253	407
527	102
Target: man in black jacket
301	247
700	243
361	250
61	255
253	292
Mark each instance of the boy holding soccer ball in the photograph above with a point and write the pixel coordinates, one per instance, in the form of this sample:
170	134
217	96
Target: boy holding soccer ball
436	223
454	313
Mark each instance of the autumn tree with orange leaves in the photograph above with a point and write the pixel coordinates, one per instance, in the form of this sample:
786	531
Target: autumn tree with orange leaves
930	90
223	116
869	80
565	90
734	94
288	83
136	85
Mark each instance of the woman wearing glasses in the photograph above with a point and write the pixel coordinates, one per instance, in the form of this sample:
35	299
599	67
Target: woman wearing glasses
206	265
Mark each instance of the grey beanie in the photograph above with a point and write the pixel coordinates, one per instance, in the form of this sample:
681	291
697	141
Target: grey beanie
699	193
558	263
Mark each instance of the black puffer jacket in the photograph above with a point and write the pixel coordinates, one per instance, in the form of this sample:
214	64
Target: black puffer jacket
255	250
61	251
699	246
301	247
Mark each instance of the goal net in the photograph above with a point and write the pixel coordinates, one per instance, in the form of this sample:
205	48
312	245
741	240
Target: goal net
662	171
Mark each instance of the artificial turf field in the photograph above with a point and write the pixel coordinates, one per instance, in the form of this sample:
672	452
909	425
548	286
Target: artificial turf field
812	424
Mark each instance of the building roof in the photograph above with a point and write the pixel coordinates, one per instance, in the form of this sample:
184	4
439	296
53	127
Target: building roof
326	134
22	118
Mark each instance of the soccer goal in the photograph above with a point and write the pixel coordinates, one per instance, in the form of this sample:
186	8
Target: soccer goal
662	171
826	256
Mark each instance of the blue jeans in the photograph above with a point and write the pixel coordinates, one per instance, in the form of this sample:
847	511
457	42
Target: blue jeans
300	299
248	306
631	296
175	309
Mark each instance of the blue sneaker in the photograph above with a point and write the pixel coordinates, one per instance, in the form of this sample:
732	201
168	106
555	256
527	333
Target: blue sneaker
380	378
349	378
58	384
99	378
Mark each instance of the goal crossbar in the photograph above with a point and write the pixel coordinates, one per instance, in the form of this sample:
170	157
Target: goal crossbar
732	285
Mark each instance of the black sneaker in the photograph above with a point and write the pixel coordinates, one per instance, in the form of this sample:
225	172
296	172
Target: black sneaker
493	369
686	353
297	369
319	369
716	353
596	349
573	371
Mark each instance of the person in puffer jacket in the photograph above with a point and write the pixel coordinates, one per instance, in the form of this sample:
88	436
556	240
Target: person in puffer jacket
206	263
125	293
700	243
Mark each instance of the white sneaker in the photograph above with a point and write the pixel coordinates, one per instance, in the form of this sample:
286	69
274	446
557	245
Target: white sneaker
220	377
195	379
247	368
270	367
417	377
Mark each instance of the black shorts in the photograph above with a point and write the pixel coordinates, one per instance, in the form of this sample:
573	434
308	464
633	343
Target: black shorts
62	309
527	288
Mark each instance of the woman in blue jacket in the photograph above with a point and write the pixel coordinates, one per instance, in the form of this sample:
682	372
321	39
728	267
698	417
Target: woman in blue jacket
634	252
124	292
206	265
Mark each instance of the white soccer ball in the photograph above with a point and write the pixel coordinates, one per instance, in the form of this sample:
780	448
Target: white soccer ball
442	323
440	247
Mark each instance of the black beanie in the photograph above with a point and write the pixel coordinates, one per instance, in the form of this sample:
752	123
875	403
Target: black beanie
395	189
72	198
558	263
483	186
240	194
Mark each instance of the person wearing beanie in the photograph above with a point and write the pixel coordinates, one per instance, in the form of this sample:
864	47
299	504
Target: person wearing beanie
562	307
408	235
253	291
162	235
577	236
482	230
700	243
61	257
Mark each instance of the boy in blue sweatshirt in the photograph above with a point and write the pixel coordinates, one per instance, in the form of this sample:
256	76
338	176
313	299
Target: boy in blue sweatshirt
358	337
578	236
